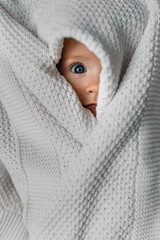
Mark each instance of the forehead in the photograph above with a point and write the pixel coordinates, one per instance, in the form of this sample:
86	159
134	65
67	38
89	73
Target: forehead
75	49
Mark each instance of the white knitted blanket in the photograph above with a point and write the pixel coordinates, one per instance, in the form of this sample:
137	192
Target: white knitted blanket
64	173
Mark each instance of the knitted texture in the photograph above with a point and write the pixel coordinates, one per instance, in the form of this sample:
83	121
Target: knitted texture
64	173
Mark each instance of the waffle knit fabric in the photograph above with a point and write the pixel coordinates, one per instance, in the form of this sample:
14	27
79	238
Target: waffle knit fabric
64	173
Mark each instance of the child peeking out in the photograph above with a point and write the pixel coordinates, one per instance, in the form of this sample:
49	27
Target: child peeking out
81	68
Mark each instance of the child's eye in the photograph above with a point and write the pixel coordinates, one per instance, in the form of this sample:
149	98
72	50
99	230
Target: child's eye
78	68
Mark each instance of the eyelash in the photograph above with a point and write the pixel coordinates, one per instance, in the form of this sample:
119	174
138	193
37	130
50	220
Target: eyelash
70	67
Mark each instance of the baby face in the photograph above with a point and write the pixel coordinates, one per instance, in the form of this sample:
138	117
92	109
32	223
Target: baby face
81	68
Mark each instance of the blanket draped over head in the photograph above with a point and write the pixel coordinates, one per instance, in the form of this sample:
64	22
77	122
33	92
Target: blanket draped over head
64	173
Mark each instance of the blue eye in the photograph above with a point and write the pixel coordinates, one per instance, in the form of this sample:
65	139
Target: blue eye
79	68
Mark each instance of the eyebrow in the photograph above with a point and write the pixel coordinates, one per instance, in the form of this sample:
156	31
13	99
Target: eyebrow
74	57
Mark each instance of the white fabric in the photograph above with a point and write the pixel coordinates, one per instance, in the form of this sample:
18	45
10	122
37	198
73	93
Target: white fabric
66	174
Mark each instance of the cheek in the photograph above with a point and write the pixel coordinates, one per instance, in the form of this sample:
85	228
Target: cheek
77	84
74	79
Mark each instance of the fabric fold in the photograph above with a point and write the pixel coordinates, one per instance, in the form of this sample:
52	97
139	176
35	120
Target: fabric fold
18	38
82	177
107	36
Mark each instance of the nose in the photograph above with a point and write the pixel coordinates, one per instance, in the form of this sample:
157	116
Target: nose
93	85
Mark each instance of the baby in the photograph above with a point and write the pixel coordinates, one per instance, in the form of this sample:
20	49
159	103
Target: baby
81	68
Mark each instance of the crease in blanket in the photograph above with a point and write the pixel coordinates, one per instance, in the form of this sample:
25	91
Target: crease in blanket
78	176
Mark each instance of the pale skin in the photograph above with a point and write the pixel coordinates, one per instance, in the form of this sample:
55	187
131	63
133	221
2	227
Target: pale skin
81	68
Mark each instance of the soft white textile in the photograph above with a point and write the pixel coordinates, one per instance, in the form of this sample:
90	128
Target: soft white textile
65	174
